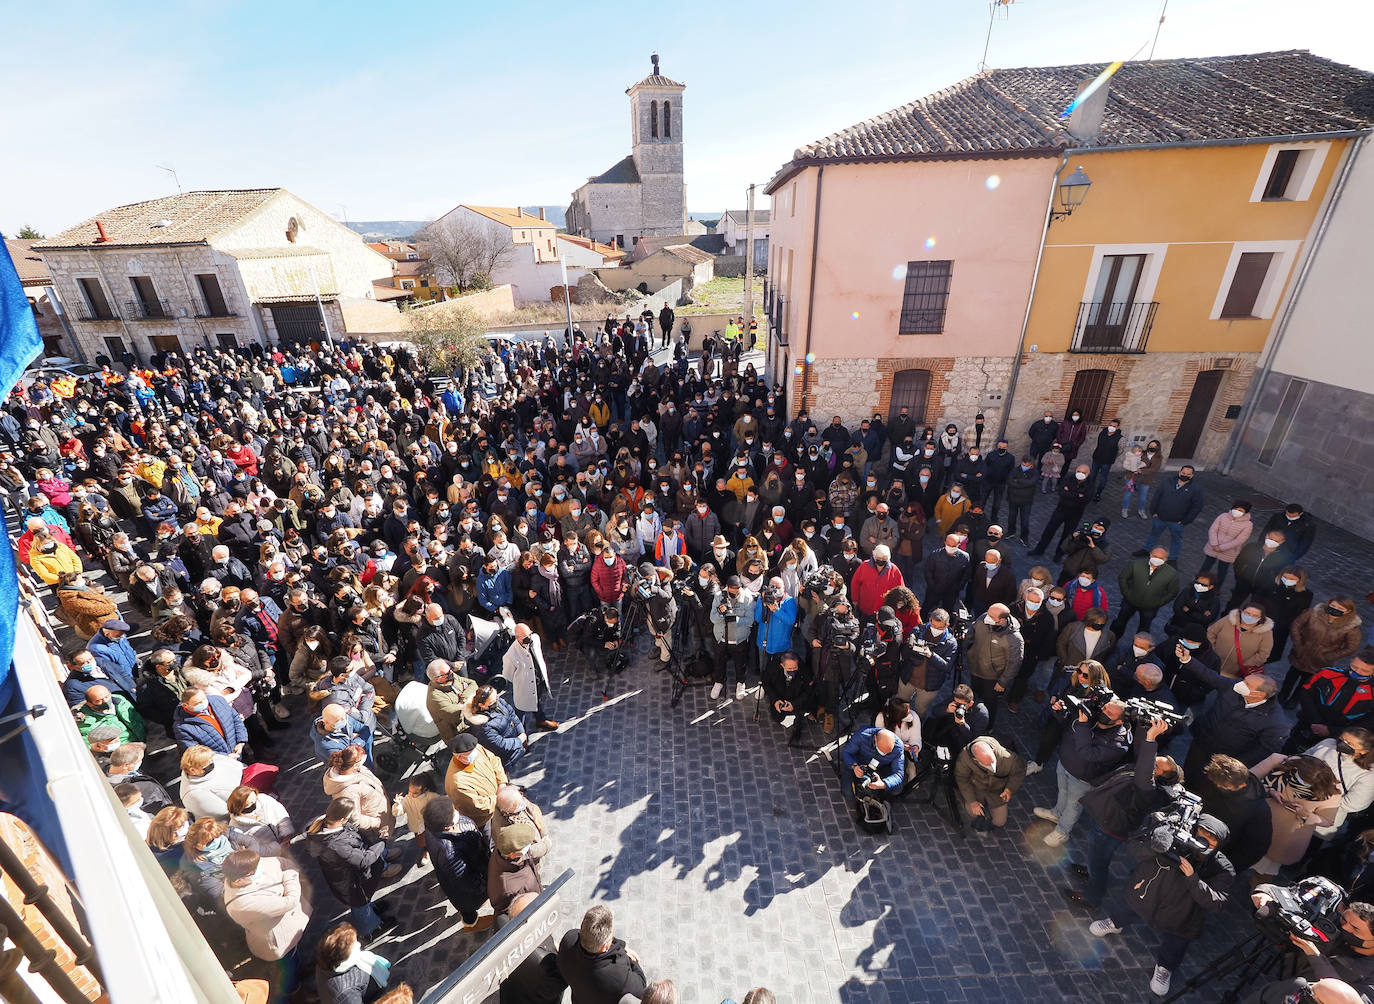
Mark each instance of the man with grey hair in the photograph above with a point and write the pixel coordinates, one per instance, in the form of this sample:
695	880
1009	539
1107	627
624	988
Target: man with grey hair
1244	722
597	965
523	666
446	698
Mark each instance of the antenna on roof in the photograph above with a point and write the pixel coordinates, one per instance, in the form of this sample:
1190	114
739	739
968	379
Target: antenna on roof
173	174
998	10
1157	27
654	57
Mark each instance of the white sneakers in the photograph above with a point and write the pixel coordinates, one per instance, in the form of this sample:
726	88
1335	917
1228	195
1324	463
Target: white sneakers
716	690
1159	982
1056	838
1047	814
740	691
1033	768
1102	928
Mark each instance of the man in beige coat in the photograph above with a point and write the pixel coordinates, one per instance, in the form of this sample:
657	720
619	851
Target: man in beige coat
473	779
448	695
987	774
513	807
263	896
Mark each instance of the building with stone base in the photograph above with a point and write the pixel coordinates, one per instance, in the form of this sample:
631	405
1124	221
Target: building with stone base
218	268
978	250
642	195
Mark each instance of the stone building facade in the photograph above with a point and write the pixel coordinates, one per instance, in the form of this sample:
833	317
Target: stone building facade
642	195
208	268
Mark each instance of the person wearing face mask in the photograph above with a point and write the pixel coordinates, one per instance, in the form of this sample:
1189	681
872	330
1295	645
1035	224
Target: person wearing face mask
1021	481
947	571
991	582
994	651
1173	506
101	707
1243	639
1244	722
208	720
1285	598
1322	636
1225	538
1084	595
971	471
987	775
1088	549
1298	527
1350	755
1146	585
701	527
1072	433
999	462
1038	634
1341	972
1104	455
1071	499
1042	434
1198	604
1335	698
951	507
1257	565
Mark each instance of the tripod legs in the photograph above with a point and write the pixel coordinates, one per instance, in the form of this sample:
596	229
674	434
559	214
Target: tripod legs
1256	957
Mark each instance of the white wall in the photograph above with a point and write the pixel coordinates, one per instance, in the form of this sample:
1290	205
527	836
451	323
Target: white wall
1328	334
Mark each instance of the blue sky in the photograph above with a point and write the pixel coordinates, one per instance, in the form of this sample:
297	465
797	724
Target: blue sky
401	111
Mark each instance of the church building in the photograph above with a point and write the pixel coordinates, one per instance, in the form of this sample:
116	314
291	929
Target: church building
642	195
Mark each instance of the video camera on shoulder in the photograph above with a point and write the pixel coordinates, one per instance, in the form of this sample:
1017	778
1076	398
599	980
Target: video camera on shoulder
1310	909
959	624
1172	829
1093	705
1140	711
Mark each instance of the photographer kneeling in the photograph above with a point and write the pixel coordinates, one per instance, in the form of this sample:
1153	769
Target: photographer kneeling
956	724
1120	804
987	774
1349	958
1180	877
791	691
877	760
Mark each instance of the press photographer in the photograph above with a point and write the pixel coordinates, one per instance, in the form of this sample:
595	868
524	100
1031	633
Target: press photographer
987	774
732	618
1179	878
927	658
833	639
1120	804
876	759
775	614
1095	742
650	593
1349	957
597	633
956	724
790	691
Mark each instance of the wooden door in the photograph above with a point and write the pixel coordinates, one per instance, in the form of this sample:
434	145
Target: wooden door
1195	414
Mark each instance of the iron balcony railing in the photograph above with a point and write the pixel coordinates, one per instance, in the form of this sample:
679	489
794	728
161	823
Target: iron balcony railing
87	313
148	310
227	311
1113	327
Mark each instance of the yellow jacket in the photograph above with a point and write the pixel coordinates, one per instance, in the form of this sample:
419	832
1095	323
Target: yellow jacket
600	414
948	512
47	566
152	472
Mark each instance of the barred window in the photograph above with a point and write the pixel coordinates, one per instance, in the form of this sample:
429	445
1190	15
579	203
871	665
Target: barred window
925	296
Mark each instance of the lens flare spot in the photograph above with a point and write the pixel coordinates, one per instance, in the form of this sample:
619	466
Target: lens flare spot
854	316
930	243
810	358
899	271
797	369
992	182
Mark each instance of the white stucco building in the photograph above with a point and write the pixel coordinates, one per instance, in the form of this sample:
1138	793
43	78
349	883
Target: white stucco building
642	195
733	226
208	268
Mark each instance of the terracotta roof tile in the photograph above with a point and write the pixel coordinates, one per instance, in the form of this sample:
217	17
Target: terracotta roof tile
510	216
190	218
687	253
28	263
1001	112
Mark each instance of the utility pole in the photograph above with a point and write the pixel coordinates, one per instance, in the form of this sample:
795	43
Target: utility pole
748	265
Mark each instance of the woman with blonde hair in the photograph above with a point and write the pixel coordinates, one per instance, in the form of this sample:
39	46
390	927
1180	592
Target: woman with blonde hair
165	834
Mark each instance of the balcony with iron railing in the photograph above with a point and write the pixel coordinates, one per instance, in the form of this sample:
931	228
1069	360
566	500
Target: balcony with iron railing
91	315
219	310
148	310
1113	327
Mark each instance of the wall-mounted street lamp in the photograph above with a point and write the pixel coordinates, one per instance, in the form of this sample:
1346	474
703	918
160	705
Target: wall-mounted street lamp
1072	191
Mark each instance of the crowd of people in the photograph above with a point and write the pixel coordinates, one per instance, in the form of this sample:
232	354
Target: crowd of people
340	535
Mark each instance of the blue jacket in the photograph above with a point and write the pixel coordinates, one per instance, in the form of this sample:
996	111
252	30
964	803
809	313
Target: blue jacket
1176	503
117	659
499	729
494	591
941	660
351	733
188	730
862	749
777	637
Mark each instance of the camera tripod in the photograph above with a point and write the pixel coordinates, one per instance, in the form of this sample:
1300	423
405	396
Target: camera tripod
939	775
1257	956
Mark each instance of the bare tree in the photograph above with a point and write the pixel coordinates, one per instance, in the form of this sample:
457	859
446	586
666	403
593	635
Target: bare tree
463	252
446	337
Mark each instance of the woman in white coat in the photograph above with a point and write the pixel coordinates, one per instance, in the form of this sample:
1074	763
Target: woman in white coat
1351	759
523	666
207	780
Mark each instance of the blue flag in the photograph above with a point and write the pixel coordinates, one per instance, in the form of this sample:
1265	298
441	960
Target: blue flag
20	344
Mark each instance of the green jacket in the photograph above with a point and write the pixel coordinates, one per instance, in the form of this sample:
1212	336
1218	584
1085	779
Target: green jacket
119	713
1146	591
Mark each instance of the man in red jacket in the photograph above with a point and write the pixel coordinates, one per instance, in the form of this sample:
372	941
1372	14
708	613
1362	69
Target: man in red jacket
872	580
608	576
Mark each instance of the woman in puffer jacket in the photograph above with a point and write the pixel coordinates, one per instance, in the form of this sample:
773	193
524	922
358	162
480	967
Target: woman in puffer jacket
348	778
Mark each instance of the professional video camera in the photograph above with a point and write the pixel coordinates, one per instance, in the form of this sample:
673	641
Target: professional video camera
871	647
1141	711
1171	829
1310	908
959	624
772	593
1092	704
1087	530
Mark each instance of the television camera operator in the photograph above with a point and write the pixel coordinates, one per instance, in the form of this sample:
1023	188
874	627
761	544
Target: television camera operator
927	659
832	638
879	656
1180	877
775	614
1119	804
597	632
1095	742
1348	957
650	590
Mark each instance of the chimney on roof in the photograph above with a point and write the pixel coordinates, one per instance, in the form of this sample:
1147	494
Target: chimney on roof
519	211
1086	121
654	58
100	228
541	213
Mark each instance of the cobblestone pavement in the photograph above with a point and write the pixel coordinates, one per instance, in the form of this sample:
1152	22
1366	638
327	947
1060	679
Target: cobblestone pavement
731	861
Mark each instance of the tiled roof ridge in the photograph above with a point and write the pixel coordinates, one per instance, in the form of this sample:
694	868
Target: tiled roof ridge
1208	68
1028	115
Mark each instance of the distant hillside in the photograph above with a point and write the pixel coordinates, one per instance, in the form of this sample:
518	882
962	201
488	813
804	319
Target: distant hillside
386	230
557	215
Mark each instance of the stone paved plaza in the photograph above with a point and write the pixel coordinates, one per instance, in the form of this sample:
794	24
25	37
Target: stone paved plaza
730	859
